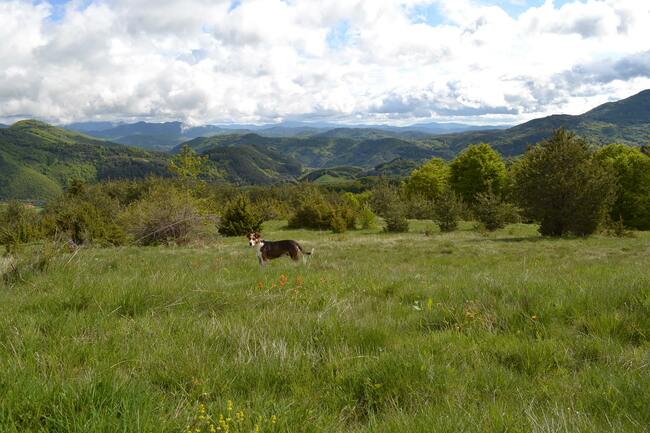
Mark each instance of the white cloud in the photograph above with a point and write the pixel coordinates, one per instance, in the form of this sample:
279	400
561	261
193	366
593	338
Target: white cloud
263	60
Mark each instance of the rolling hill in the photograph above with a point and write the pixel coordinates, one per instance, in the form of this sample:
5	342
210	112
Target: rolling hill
626	121
323	150
37	160
252	164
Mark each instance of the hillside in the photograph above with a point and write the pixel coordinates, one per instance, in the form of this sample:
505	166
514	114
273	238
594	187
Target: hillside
626	121
37	160
252	164
322	150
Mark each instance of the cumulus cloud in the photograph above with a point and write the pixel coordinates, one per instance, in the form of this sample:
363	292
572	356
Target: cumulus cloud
205	61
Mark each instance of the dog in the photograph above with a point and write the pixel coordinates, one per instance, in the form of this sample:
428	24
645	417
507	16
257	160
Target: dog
267	250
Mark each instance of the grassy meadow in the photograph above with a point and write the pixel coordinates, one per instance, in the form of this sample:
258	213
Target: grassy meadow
415	332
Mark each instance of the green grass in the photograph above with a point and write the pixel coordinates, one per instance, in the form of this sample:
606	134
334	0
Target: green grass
380	333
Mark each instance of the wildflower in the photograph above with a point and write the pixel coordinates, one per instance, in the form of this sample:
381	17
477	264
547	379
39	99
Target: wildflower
283	280
430	304
229	404
257	428
240	416
299	280
212	429
260	284
534	317
273	419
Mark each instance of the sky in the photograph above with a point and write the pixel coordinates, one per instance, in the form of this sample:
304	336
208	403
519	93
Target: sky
342	61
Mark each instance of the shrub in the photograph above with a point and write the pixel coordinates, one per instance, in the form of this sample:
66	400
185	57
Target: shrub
18	269
419	207
338	223
493	212
477	169
429	180
367	218
395	218
84	215
164	215
383	197
19	224
316	212
447	211
559	184
240	218
631	167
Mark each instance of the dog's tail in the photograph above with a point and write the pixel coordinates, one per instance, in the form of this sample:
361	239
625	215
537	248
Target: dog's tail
305	254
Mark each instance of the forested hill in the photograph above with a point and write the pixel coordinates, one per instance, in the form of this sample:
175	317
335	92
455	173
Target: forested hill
626	121
37	160
322	151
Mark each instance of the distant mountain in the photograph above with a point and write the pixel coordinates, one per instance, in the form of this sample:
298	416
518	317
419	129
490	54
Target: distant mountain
37	160
626	121
3	126
164	136
152	136
91	126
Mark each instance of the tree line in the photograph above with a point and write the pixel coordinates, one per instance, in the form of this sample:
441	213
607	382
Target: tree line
562	184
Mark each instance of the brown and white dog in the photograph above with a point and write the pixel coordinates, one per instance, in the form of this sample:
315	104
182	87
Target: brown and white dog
267	250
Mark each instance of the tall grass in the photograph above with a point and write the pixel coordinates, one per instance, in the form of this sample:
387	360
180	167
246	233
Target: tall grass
379	333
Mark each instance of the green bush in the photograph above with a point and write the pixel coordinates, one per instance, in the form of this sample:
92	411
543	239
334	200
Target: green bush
316	212
19	224
19	268
367	218
240	218
419	207
428	180
561	185
338	223
447	211
477	169
493	212
631	167
384	196
164	215
85	215
395	219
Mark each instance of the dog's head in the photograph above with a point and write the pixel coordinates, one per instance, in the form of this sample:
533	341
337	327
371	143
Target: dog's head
254	239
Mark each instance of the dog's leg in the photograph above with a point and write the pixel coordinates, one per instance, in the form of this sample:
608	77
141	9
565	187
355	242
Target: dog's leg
260	258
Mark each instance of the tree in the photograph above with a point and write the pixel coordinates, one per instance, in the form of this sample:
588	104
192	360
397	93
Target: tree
189	166
561	185
493	212
447	211
240	218
478	169
632	171
429	180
